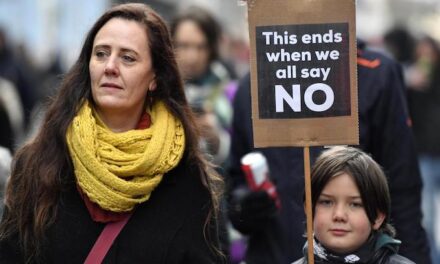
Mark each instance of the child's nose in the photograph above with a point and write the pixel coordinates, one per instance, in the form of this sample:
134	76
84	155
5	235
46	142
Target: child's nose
340	213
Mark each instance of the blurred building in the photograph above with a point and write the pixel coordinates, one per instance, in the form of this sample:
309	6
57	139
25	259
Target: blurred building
376	17
50	27
58	27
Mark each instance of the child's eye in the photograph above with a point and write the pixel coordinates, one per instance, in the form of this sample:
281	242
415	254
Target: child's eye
356	205
325	202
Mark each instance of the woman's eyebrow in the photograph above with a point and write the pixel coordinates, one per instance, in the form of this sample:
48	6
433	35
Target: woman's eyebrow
101	46
105	46
129	50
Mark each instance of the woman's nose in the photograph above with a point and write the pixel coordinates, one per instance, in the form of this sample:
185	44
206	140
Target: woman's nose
111	67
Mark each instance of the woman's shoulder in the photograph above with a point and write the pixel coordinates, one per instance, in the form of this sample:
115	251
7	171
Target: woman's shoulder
399	259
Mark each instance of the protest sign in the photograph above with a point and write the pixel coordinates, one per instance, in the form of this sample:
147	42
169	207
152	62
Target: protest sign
303	72
303	78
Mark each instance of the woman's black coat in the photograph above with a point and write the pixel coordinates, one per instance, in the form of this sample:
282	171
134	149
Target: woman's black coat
168	228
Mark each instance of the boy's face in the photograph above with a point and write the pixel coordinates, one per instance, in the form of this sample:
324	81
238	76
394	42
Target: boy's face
340	222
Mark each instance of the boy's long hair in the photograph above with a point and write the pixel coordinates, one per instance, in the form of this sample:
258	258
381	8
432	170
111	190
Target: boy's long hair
365	172
369	179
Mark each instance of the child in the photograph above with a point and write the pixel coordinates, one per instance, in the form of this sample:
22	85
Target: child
351	208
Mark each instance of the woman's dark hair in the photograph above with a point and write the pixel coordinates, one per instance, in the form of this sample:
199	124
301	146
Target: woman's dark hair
43	166
367	175
206	23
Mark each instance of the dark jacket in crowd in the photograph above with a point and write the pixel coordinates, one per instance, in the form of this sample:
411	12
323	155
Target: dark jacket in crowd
277	237
168	228
424	107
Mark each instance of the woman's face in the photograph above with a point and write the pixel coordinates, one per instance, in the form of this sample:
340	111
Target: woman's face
192	49
120	67
340	222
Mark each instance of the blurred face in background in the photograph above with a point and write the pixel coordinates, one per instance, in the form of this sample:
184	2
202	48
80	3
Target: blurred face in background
121	68
425	50
192	49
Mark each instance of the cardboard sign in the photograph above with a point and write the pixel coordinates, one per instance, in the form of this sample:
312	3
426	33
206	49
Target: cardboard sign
303	72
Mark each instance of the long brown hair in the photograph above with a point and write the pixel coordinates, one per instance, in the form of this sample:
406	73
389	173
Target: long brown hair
43	166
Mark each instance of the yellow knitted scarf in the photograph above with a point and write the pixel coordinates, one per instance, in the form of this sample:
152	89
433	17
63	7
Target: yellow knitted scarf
119	170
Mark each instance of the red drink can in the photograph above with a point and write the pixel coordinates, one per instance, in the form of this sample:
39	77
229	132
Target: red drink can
256	170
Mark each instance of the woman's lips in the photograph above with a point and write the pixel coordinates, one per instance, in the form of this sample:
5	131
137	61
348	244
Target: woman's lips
111	85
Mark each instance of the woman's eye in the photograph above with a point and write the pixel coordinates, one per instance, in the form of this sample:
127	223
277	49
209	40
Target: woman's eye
127	58
100	54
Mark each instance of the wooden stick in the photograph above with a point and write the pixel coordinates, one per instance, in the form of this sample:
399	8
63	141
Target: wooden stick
308	187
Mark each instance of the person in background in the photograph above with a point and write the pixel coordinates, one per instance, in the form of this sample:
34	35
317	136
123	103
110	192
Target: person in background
118	147
423	81
21	75
11	115
209	84
420	59
401	44
384	127
351	210
5	165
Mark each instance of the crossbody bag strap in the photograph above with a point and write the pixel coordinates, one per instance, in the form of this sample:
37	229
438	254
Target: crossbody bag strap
105	241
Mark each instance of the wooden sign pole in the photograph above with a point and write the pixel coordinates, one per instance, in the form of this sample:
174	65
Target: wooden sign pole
308	188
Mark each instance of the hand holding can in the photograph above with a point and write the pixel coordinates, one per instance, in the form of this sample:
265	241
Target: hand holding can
256	170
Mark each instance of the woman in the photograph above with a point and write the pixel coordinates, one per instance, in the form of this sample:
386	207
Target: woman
118	143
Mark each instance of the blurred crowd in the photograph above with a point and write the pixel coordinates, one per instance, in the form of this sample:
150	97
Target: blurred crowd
420	59
212	63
